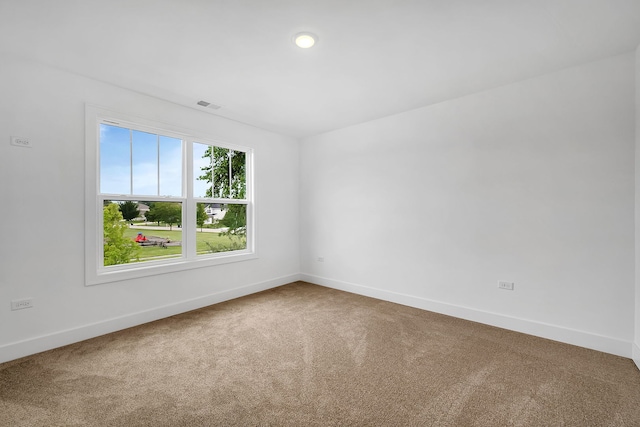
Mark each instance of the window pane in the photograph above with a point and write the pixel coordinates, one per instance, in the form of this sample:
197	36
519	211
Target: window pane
201	170
140	232
238	175
221	228
219	172
115	160
142	200
170	166
145	163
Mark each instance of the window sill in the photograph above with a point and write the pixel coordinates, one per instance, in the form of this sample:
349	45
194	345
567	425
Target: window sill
147	269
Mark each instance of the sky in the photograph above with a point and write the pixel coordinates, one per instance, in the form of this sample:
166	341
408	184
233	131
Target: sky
133	162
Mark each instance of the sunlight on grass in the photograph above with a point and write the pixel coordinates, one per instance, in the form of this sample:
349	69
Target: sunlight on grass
206	242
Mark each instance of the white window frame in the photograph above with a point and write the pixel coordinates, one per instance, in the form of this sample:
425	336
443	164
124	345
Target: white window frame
95	271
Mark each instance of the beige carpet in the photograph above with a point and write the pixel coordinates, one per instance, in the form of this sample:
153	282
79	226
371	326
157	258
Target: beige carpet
305	355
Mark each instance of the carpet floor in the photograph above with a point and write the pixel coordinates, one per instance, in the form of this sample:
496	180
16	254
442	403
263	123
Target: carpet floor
305	355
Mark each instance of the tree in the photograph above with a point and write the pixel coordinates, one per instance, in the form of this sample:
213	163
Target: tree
151	214
168	212
226	172
201	215
117	248
235	219
129	210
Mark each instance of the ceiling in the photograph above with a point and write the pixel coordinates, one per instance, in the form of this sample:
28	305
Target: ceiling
374	58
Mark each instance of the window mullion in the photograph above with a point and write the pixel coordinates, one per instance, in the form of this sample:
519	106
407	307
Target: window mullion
158	161
119	130
130	161
190	229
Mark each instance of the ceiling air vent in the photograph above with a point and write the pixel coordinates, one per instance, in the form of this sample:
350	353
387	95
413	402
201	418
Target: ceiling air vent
209	105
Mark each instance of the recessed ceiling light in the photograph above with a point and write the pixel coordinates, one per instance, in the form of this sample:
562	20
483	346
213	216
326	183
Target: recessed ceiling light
305	40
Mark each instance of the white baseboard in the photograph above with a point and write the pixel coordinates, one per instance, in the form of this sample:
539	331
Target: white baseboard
570	336
539	329
58	339
636	354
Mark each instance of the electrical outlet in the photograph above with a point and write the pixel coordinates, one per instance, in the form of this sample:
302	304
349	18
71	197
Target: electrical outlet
20	142
506	285
320	259
20	304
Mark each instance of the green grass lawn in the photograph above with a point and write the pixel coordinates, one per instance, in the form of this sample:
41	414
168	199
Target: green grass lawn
203	240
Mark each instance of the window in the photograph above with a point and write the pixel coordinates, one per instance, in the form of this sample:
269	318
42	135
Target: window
162	200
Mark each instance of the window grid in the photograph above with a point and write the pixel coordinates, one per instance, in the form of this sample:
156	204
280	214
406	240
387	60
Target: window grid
190	256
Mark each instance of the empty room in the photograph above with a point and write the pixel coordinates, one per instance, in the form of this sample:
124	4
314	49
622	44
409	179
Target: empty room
330	213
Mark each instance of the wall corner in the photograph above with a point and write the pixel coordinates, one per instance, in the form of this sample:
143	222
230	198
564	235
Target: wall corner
636	334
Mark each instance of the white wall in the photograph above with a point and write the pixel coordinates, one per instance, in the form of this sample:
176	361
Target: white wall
531	183
42	219
636	344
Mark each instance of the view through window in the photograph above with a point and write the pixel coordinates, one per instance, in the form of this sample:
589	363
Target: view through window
164	197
